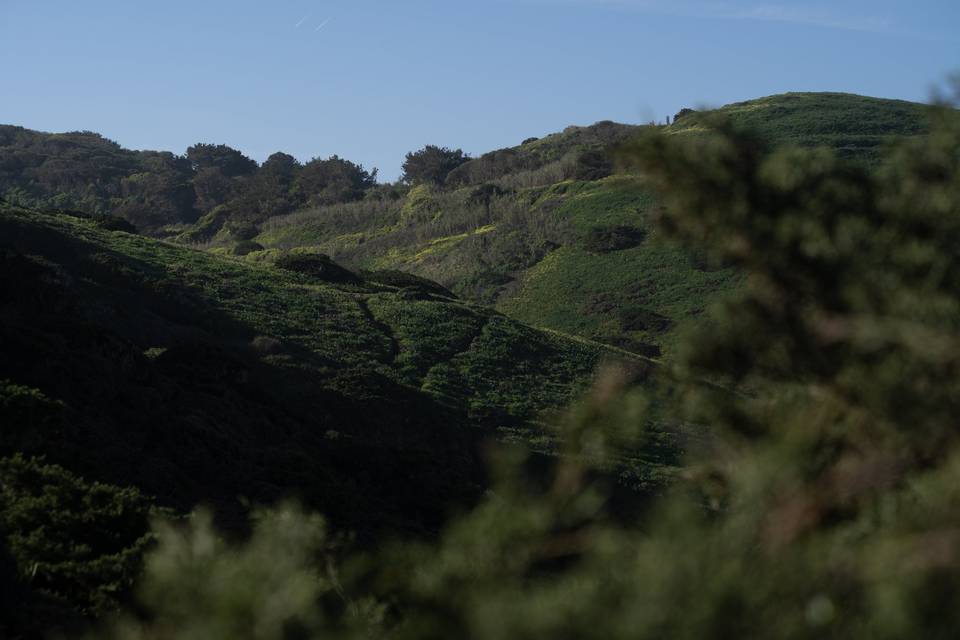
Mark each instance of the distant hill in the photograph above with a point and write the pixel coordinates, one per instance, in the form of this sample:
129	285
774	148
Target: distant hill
854	126
548	233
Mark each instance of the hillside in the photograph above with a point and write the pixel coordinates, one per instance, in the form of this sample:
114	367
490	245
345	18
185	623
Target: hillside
143	377
854	126
546	232
549	234
101	319
201	379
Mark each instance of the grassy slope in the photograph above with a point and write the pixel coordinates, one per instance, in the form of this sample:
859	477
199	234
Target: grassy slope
366	364
638	293
198	378
588	294
855	126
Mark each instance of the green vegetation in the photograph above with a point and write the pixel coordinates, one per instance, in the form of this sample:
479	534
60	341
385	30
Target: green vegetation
78	545
545	234
480	227
787	470
819	501
855	127
134	367
161	193
431	165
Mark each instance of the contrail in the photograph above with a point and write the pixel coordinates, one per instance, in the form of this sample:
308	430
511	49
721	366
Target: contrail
321	25
297	26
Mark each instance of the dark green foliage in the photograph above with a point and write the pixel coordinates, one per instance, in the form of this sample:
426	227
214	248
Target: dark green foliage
114	223
241	230
144	351
219	157
85	171
76	547
592	164
543	161
431	165
317	265
244	247
28	415
606	239
401	279
200	378
333	180
159	192
108	222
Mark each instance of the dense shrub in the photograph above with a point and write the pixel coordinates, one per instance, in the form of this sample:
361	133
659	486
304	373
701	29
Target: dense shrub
244	247
394	278
640	319
593	164
77	545
85	172
432	164
114	223
607	239
317	265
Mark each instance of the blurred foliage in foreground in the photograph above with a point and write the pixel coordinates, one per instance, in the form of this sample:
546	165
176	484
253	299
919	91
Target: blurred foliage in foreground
826	502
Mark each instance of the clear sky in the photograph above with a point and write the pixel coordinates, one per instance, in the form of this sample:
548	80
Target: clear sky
370	80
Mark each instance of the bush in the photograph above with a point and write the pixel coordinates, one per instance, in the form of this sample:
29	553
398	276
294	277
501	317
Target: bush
244	247
431	165
317	265
593	164
607	239
78	544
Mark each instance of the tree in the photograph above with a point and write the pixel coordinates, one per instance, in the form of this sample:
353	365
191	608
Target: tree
431	165
322	182
280	164
228	161
269	191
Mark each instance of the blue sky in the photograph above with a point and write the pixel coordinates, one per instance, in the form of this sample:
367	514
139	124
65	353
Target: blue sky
370	80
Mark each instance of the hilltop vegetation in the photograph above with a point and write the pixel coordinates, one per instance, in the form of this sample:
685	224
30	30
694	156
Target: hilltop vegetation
160	192
855	127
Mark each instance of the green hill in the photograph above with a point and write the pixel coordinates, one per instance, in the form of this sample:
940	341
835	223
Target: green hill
854	126
214	352
549	234
195	379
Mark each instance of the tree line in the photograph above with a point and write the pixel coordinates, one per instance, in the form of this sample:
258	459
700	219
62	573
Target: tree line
159	190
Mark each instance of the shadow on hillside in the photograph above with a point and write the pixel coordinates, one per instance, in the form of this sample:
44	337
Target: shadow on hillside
162	390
